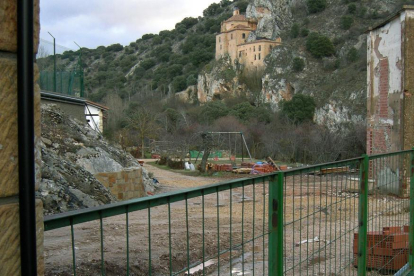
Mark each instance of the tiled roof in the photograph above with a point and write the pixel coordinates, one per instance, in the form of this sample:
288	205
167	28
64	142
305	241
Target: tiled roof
237	17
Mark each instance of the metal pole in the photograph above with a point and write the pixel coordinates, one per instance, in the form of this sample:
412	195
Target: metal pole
363	217
275	259
54	65
242	146
80	70
411	229
25	79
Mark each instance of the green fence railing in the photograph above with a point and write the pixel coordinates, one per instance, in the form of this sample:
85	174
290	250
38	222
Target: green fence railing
344	218
67	82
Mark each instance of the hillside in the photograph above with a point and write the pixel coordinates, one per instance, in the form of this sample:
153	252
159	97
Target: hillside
321	65
165	63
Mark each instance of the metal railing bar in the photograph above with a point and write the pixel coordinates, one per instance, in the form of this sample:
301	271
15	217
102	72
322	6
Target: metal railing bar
85	215
377	156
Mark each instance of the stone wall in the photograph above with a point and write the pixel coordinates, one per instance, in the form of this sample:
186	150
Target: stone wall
124	185
9	181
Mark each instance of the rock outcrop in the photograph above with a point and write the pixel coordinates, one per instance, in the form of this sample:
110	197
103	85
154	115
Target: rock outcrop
272	17
72	153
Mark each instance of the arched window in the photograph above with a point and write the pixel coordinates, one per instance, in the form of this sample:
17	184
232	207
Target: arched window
260	48
244	36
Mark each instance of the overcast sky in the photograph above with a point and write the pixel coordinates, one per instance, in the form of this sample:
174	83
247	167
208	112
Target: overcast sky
92	23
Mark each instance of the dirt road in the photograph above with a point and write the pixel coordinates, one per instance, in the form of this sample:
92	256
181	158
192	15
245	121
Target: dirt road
228	229
170	180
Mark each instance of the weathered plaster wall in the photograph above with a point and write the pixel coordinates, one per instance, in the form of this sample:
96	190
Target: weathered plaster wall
385	92
390	96
124	185
10	264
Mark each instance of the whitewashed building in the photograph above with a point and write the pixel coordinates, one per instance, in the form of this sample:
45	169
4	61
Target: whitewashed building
95	115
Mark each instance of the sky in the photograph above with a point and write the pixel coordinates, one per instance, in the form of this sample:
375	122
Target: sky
92	23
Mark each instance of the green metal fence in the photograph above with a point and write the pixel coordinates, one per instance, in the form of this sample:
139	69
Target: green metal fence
67	82
317	220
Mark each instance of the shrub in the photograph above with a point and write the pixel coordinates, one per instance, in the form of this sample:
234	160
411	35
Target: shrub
211	111
191	80
346	22
352	8
115	48
300	109
294	31
243	111
352	55
187	22
212	10
148	63
147	36
228	74
179	83
298	64
315	6
362	12
156	40
319	46
242	5
225	3
304	32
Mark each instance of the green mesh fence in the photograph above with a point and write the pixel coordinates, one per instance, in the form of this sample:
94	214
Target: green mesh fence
67	82
353	217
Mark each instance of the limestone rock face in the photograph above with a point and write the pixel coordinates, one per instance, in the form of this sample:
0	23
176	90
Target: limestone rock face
272	17
216	85
189	95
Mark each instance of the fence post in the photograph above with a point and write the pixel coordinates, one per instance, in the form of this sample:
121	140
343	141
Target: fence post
276	225
363	217
411	229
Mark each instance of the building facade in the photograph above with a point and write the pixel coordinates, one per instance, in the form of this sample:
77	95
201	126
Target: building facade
232	41
390	102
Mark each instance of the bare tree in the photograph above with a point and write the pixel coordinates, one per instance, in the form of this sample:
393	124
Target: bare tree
144	121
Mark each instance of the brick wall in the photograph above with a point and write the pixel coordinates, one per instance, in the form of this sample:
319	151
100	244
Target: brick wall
9	180
124	185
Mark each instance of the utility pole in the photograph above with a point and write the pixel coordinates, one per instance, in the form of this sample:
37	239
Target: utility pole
54	65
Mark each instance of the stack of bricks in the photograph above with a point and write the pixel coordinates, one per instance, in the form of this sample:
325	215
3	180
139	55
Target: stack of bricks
247	165
386	250
223	167
264	168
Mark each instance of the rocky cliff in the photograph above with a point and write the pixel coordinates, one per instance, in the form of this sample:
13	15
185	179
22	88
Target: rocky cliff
337	82
72	153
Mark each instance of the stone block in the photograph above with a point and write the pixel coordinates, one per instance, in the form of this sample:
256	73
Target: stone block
126	176
10	239
9	178
120	196
8	25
